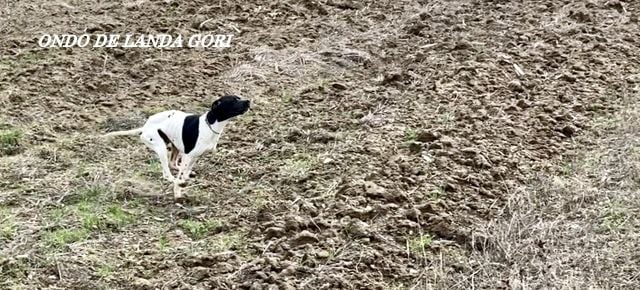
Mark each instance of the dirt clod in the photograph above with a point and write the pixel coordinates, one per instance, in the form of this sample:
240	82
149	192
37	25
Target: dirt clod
322	254
516	86
568	130
142	284
304	237
274	232
373	189
428	136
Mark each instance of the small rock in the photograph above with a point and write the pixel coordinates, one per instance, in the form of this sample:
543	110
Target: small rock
224	256
463	45
142	283
195	24
274	232
407	224
516	86
511	108
579	67
387	207
304	237
569	130
392	77
449	187
223	267
289	271
565	99
447	142
273	262
569	77
373	189
412	213
482	162
415	147
523	104
437	145
261	275
287	286
322	254
339	86
427	136
469	150
408	180
294	222
309	208
361	213
200	273
358	228
256	286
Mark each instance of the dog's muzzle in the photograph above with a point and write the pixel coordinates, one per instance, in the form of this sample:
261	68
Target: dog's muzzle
245	105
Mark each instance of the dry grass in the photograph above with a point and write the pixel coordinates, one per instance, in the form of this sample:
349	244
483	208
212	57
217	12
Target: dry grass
573	229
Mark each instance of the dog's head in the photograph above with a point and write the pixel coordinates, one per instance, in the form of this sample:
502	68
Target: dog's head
227	107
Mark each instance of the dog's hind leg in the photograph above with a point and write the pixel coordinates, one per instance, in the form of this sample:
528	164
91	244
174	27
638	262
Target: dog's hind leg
155	143
175	158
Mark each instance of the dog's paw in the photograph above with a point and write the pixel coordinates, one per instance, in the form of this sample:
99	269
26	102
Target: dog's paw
178	192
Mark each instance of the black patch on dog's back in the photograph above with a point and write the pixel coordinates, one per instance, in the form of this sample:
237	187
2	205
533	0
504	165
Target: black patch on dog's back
190	132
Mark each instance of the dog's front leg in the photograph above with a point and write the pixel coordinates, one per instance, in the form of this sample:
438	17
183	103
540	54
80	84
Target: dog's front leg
187	173
183	174
185	168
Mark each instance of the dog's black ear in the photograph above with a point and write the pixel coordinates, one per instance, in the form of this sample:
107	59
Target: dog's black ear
215	104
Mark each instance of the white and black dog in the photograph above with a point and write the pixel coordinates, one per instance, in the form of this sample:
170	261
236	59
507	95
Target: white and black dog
187	135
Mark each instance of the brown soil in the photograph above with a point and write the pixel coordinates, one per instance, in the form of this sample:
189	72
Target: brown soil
382	134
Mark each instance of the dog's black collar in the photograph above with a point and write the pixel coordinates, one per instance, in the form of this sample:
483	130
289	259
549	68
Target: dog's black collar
214	131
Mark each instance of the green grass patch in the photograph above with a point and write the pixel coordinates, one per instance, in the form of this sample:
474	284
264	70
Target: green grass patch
228	241
163	243
15	271
91	209
8	227
117	216
62	237
436	193
199	229
298	166
154	165
58	215
286	96
27	57
614	217
105	271
95	216
87	194
10	141
410	135
420	243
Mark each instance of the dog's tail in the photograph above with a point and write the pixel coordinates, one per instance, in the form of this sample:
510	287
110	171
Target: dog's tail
120	133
